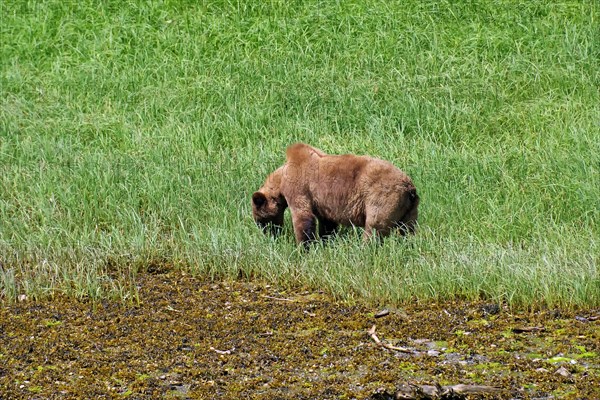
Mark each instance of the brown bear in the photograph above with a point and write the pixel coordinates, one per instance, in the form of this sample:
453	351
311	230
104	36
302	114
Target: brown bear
336	190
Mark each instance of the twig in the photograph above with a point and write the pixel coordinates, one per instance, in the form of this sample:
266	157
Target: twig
388	346
529	329
223	352
277	298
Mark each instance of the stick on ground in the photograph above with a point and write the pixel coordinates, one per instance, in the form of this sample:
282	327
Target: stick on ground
373	336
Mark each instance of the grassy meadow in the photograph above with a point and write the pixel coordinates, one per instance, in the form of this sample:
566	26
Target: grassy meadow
132	135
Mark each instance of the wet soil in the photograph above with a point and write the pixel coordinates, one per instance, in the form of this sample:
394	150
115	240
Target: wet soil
192	338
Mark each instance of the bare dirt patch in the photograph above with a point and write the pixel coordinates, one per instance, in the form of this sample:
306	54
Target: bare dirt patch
191	338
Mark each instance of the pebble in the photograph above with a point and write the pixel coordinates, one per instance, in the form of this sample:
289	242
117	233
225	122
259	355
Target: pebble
563	372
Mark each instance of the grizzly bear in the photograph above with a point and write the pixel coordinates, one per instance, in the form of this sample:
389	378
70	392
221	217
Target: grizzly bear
336	190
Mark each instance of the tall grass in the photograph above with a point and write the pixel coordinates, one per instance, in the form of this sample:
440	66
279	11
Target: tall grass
132	135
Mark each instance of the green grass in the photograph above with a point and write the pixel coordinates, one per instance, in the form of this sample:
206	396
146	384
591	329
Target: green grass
132	135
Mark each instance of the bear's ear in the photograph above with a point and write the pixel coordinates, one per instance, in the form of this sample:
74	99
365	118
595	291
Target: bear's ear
258	199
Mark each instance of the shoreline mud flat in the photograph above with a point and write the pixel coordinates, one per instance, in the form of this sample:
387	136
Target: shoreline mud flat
198	339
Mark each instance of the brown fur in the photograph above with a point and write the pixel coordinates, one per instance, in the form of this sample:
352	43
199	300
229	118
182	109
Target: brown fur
337	190
268	204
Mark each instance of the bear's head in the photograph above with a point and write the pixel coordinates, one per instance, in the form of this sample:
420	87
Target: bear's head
268	204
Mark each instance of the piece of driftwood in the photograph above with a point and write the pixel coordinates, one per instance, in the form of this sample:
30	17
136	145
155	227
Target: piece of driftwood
371	333
411	391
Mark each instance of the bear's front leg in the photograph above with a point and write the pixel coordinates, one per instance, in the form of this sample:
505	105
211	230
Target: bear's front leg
327	228
304	226
376	226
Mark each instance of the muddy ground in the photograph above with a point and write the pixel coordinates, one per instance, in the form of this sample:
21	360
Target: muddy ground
189	338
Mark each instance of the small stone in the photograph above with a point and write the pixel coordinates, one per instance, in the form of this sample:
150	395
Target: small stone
562	371
22	297
542	370
382	313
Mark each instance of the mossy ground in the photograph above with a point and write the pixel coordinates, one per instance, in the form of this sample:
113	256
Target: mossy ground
193	338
